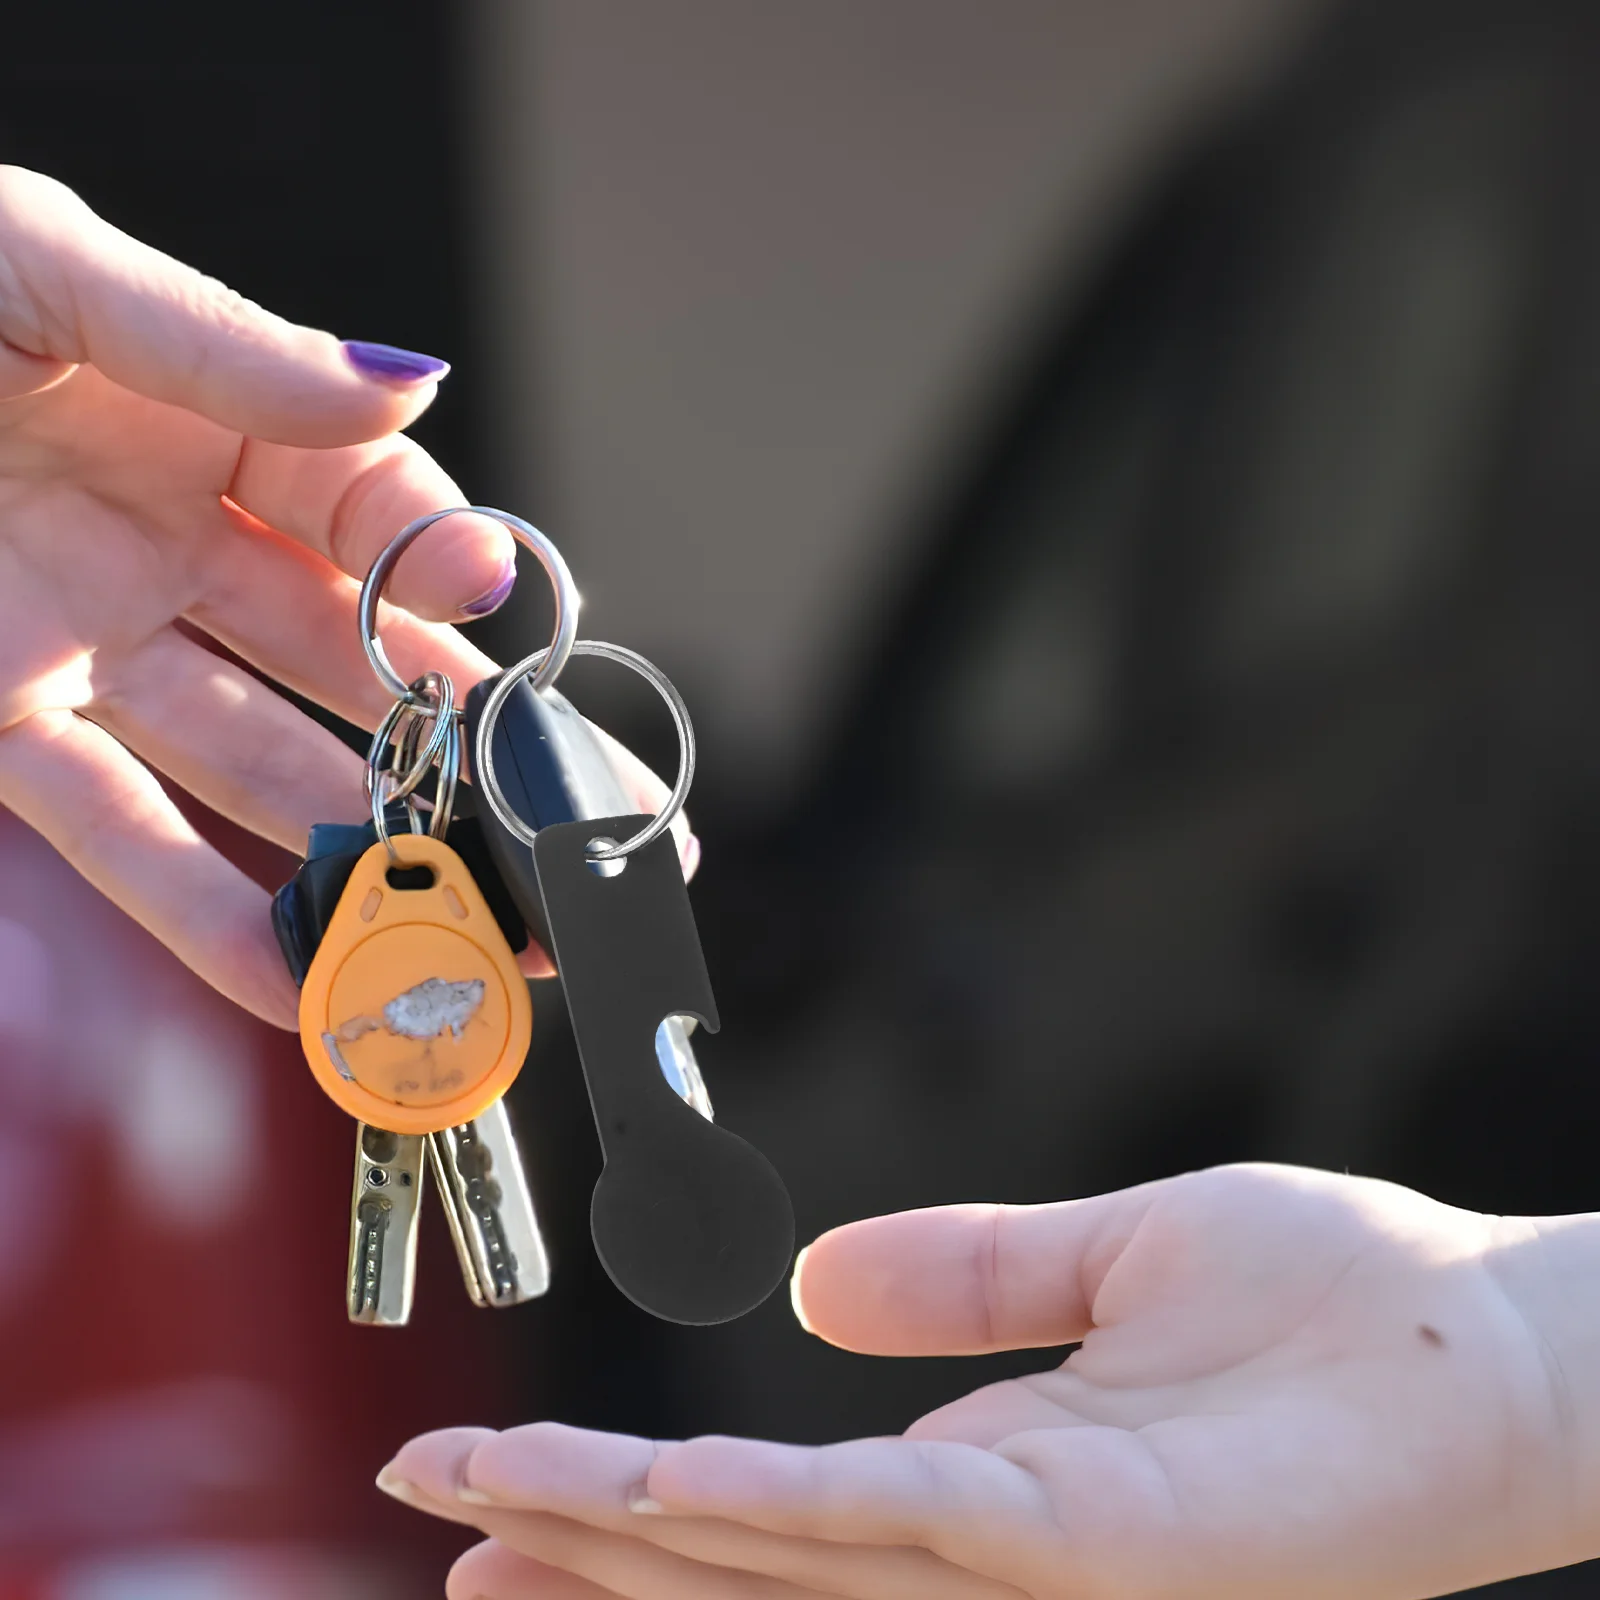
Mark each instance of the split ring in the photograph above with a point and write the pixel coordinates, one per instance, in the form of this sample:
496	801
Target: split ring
552	659
532	668
443	746
402	715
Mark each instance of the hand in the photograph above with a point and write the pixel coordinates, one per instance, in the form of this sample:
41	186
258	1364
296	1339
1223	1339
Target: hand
1290	1385
174	460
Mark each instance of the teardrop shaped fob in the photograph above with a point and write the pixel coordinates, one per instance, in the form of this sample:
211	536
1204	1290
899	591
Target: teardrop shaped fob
413	1015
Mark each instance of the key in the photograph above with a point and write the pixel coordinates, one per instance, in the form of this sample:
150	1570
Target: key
384	1210
492	1219
386	1200
552	769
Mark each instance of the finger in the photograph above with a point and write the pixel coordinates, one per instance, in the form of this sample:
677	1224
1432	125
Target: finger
631	1567
856	1571
534	962
544	1466
434	1463
232	742
973	1508
75	289
961	1280
289	613
547	1466
347	504
599	1479
491	1571
106	813
426	1472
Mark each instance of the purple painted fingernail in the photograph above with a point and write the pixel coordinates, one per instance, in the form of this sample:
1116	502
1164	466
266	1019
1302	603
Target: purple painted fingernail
496	597
390	365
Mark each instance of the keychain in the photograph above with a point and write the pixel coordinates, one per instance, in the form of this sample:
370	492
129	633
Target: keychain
415	1019
474	1156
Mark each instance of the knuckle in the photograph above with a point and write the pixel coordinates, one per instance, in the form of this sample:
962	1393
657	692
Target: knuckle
360	505
36	215
229	310
217	307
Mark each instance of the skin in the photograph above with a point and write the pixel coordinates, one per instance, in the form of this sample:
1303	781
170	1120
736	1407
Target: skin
178	466
1290	1383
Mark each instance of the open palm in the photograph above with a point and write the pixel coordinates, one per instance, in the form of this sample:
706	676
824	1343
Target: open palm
1289	1384
178	466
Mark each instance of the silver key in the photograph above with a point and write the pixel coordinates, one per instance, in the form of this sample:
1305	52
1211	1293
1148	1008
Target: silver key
492	1221
385	1208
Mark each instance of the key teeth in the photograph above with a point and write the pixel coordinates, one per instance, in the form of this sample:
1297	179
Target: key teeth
372	1223
438	1160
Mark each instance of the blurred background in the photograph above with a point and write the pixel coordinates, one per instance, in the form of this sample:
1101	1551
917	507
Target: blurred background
1117	482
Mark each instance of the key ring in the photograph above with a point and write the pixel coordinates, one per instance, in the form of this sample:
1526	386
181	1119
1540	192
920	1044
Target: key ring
404	715
483	752
553	657
384	793
449	769
443	746
444	794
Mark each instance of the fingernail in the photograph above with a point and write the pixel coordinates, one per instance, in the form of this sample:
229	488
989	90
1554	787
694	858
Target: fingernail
388	364
469	1496
794	1290
645	1506
493	598
396	1487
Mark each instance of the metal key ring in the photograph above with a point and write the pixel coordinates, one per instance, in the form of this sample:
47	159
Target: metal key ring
444	794
483	751
449	769
444	746
414	705
566	595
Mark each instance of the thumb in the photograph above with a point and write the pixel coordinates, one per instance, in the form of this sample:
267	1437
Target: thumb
964	1280
74	289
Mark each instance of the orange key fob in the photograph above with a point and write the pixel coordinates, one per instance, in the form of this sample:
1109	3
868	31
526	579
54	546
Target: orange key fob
413	1014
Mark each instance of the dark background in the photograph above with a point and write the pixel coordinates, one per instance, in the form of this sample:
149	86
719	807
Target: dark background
1217	782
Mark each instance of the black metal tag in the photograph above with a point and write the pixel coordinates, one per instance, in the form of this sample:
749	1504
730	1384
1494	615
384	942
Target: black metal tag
693	1224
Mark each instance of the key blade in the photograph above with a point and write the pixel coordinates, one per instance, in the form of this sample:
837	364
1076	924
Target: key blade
452	1215
492	1219
385	1209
